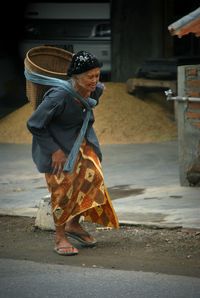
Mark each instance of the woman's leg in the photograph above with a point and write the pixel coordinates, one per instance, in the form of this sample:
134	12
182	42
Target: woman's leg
74	226
62	245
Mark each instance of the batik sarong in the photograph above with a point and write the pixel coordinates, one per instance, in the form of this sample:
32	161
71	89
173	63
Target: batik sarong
82	192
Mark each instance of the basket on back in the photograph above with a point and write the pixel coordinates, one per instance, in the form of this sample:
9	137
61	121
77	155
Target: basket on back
45	60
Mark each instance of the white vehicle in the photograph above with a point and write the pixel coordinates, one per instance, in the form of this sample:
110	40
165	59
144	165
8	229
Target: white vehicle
71	26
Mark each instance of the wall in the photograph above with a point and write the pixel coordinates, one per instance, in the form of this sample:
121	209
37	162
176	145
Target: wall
139	32
188	115
136	33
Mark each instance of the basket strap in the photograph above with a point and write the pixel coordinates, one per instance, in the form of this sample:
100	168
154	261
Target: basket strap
70	163
50	81
88	104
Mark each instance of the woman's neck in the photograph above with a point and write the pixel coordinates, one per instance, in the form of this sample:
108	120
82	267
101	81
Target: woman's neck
83	92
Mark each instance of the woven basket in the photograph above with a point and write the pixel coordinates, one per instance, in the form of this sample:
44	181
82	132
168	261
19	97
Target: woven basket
45	60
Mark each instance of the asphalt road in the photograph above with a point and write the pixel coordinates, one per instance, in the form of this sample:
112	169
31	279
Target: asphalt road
32	280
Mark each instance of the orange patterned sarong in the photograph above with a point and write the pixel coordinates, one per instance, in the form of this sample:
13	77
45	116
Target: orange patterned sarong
82	192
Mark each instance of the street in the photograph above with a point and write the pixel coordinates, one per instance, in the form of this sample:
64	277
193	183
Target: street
28	280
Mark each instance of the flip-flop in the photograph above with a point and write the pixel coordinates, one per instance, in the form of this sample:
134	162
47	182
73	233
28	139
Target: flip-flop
63	251
77	236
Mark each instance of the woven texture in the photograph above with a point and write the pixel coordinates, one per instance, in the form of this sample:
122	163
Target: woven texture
45	60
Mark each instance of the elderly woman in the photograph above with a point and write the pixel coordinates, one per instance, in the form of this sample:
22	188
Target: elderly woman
55	125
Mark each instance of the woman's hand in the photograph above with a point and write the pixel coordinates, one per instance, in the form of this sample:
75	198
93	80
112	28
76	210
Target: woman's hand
58	161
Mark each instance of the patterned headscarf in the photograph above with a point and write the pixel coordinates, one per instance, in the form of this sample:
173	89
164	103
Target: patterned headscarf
82	62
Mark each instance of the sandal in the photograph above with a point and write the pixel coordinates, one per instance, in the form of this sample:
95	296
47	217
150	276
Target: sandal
65	251
79	237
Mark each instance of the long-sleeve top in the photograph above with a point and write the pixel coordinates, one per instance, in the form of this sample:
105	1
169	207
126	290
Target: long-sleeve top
56	123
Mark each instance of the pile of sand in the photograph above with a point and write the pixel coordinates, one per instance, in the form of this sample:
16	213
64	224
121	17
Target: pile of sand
120	118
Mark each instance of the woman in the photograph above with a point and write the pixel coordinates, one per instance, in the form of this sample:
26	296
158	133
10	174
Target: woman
55	126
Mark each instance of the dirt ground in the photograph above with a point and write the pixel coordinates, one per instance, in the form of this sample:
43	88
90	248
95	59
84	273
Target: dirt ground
139	248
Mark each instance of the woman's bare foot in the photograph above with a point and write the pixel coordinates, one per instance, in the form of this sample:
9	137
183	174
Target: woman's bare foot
74	229
62	245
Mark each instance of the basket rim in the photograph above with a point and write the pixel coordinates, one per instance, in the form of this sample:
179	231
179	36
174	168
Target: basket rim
41	68
48	47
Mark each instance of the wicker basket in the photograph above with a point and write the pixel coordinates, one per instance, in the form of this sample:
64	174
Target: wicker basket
49	61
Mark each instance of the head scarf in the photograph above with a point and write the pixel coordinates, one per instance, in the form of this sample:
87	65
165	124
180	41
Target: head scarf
82	62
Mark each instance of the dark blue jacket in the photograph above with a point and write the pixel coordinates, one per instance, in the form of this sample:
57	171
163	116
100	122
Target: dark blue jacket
55	125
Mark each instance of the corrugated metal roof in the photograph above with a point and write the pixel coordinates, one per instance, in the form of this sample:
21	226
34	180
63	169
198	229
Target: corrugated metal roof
187	24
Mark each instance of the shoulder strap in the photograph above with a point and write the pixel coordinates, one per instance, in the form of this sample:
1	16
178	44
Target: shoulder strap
49	81
44	80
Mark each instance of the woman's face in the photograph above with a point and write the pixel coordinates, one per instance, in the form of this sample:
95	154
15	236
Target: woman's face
89	79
